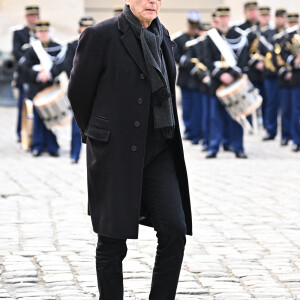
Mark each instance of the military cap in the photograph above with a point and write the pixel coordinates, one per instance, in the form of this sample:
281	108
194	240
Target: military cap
86	21
194	18
250	5
280	12
42	25
264	10
293	17
204	26
32	10
223	11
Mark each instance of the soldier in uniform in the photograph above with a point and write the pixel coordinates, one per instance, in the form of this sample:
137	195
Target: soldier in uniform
251	15
291	55
255	63
198	70
264	18
284	84
222	73
21	41
271	100
38	79
187	84
76	135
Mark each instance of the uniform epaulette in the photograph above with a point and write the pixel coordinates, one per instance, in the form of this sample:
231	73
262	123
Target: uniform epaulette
176	35
17	27
195	41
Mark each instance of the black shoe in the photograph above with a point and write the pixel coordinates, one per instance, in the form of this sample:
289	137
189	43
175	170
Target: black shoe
284	142
54	154
268	137
36	153
204	148
227	149
241	155
186	138
296	148
211	155
195	142
74	161
19	139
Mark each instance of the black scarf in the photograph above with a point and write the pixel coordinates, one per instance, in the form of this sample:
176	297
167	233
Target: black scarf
161	98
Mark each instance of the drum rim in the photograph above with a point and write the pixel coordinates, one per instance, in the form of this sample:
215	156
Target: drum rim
26	135
46	90
243	79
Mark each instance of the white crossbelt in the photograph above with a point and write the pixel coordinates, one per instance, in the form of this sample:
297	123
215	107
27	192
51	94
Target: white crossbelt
224	47
44	57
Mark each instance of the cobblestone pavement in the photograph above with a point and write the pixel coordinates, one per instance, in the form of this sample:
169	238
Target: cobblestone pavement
246	242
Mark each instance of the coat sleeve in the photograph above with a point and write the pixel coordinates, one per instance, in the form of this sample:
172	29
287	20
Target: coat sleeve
87	68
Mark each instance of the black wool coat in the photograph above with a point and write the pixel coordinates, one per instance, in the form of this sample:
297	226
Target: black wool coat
110	93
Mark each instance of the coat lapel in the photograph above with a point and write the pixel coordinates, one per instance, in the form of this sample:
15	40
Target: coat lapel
131	44
167	46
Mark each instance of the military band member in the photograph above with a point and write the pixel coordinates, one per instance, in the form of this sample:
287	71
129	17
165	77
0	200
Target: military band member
251	15
76	135
223	73
284	84
291	55
187	84
200	112
21	42
40	78
264	18
255	63
271	101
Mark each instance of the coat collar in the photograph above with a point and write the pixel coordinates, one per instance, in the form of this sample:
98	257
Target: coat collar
133	47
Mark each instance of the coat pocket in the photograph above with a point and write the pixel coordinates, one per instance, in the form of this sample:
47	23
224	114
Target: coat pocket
99	134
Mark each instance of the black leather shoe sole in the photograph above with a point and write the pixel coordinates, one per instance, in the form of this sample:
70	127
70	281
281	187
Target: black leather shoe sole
211	155
241	155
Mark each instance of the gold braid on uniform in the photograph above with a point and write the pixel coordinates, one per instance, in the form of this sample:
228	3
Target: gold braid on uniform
269	62
279	60
253	51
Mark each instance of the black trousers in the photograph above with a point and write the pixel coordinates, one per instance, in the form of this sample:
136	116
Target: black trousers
161	196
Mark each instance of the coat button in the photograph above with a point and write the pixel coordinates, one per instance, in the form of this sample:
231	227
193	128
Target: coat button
137	124
133	148
140	101
142	76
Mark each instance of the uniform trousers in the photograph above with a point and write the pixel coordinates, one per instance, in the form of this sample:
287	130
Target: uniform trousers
196	133
296	115
285	99
43	137
221	122
188	98
205	118
20	108
271	105
161	197
261	111
76	141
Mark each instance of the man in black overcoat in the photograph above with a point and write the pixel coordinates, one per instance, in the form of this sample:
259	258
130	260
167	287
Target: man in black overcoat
122	91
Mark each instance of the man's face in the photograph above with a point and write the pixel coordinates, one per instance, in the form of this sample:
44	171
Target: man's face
145	10
292	24
43	35
223	21
264	20
31	20
280	21
252	14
